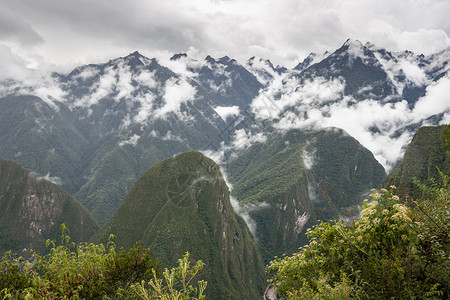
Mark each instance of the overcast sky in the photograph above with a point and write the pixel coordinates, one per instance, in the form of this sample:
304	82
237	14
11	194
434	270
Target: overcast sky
66	33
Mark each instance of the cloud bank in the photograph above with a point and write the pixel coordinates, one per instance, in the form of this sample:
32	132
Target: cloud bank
82	31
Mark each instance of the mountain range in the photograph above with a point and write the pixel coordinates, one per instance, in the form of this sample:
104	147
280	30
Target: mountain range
96	129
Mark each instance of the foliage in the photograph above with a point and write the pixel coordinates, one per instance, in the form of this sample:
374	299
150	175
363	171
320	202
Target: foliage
380	256
134	266
426	151
177	283
79	271
433	212
13	273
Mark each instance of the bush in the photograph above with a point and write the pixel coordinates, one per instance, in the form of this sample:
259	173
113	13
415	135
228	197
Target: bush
176	283
79	271
378	257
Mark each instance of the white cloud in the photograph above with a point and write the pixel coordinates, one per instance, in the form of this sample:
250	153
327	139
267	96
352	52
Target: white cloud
227	111
123	85
290	92
319	104
171	137
284	32
87	73
176	92
131	141
54	179
146	109
436	99
102	88
308	156
243	139
146	78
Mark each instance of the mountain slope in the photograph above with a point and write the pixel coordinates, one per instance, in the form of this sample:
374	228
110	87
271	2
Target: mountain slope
358	66
423	156
32	210
182	204
287	183
41	138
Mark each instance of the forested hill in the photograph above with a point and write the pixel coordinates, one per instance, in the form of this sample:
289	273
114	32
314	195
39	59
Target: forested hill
32	210
183	204
425	157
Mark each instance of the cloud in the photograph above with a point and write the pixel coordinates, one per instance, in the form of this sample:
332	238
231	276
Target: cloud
436	99
14	28
176	93
13	66
308	157
243	139
227	111
290	92
171	137
53	179
320	103
131	141
240	29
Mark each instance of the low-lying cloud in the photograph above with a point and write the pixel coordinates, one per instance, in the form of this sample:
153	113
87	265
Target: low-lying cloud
320	103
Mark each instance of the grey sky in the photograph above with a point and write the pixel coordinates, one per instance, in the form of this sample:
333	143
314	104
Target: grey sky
65	33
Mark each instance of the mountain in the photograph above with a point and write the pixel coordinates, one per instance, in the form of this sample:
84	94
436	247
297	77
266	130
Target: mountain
228	82
289	182
264	70
97	128
41	138
32	210
424	157
116	120
358	66
182	204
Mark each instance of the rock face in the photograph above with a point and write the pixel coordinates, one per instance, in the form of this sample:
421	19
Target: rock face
32	210
423	156
183	204
289	182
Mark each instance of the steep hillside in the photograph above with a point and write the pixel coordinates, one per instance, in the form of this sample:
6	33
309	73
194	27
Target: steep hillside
182	204
42	138
423	156
287	183
32	210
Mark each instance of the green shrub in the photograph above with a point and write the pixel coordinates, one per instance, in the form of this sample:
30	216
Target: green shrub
14	274
78	271
378	257
176	283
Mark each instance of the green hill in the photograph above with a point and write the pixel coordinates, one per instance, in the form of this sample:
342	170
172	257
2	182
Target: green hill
424	154
182	204
286	184
32	210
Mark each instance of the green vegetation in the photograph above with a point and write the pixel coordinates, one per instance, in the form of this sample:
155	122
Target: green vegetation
392	251
181	276
299	177
33	208
90	271
428	149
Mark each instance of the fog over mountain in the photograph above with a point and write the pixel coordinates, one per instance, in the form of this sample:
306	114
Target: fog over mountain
393	90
